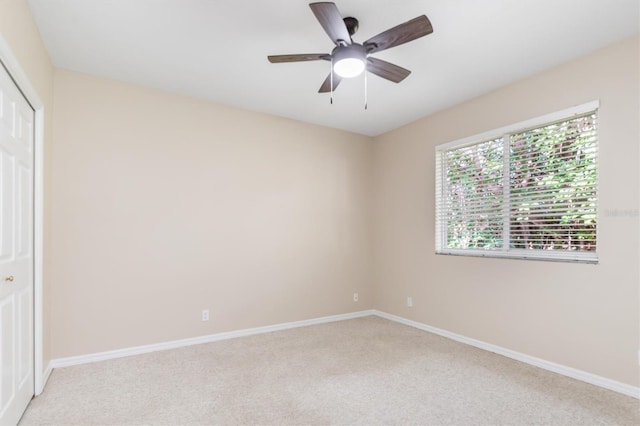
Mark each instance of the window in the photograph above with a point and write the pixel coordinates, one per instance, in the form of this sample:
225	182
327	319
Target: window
523	191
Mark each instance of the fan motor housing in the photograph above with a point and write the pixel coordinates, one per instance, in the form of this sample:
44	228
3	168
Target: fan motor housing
355	50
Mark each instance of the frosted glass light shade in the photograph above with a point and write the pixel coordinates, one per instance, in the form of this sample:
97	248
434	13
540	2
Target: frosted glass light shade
349	67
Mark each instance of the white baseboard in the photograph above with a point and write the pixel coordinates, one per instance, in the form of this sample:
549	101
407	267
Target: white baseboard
593	379
584	376
137	350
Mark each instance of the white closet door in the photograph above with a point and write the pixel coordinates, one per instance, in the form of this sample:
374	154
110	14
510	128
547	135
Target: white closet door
16	251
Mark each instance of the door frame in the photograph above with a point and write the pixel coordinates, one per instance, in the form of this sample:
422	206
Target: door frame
11	63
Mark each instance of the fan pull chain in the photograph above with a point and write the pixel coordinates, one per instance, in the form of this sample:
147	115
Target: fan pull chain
331	74
365	90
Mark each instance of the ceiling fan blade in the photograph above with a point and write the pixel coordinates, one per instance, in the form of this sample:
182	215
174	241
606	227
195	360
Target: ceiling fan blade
328	15
403	33
387	70
326	85
299	58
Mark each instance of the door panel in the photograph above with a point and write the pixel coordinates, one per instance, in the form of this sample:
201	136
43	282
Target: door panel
24	366
24	213
6	199
7	350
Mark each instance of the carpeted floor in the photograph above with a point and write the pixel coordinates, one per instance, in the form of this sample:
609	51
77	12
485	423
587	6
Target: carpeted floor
362	371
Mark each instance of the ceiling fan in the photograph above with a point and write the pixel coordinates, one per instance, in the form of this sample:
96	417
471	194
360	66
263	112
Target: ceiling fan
349	59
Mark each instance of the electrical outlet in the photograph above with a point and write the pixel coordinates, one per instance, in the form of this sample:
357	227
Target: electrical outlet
205	315
410	302
355	297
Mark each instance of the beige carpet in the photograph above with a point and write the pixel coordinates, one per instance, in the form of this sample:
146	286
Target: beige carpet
362	371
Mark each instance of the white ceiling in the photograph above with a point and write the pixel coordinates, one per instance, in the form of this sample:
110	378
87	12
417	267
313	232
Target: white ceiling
217	50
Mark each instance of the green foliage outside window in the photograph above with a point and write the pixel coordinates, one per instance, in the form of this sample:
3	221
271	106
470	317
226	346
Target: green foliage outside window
547	201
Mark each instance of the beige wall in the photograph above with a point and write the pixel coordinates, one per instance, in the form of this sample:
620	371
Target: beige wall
166	205
578	315
21	34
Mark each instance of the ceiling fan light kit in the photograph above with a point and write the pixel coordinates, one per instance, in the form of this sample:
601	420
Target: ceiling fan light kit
349	59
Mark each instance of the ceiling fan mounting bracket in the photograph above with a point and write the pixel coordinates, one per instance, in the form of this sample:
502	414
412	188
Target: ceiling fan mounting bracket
352	24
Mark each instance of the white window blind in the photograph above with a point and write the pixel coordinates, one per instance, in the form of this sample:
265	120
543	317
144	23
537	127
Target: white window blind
525	191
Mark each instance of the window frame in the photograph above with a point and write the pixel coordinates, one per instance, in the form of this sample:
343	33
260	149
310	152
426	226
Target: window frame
505	132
